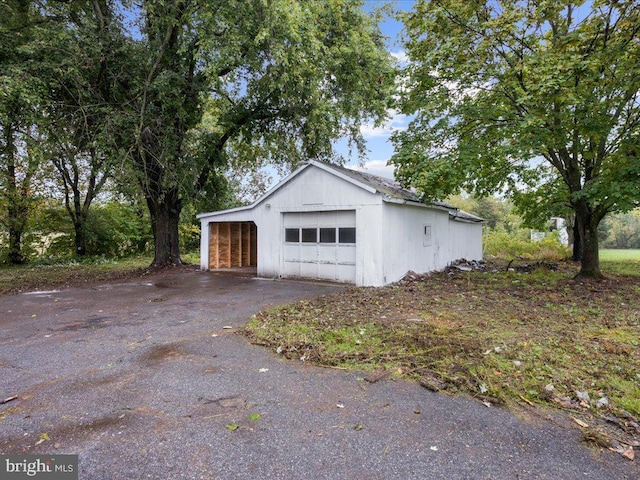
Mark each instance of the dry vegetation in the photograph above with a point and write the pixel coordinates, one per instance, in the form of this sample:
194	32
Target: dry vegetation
536	338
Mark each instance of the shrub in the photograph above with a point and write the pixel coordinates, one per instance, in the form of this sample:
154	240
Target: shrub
507	246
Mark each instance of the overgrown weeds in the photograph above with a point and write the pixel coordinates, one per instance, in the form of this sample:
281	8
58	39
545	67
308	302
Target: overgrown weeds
538	338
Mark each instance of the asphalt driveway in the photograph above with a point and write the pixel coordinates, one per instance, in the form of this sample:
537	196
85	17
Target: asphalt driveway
143	380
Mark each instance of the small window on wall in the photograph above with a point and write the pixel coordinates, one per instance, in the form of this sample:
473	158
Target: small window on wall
327	235
426	235
309	235
292	235
347	235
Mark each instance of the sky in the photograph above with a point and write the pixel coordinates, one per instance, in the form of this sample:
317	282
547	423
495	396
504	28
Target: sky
379	146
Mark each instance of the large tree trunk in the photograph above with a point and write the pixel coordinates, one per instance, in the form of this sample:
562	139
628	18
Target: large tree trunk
588	235
165	216
15	255
577	244
80	239
17	209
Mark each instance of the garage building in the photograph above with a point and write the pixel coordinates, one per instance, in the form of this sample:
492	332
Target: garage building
328	222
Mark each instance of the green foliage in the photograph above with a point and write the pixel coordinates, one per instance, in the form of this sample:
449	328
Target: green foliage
535	99
508	246
498	213
22	61
200	89
621	230
280	86
113	230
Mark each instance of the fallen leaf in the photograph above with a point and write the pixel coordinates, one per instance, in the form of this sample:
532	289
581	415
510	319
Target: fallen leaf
339	405
262	370
227	327
9	399
580	422
434	448
628	453
232	427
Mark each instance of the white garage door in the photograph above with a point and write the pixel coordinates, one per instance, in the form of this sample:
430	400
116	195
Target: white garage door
320	245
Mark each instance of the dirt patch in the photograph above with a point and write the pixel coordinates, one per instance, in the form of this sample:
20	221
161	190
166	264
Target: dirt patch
160	353
94	323
68	433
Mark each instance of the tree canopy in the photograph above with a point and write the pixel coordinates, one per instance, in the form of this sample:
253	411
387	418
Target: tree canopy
538	99
166	97
227	83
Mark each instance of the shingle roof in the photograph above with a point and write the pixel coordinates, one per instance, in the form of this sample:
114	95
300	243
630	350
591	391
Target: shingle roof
386	186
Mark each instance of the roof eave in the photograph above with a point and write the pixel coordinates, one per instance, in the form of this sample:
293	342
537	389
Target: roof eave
403	201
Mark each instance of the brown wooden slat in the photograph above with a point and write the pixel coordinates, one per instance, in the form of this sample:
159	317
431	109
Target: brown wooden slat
235	243
213	245
253	255
246	244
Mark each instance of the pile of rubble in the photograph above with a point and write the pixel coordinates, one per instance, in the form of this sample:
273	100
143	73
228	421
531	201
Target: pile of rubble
463	265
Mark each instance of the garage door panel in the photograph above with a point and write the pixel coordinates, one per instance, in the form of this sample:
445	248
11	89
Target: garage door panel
309	270
324	258
327	254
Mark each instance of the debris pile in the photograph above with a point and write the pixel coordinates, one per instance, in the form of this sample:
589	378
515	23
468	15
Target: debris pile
463	265
530	267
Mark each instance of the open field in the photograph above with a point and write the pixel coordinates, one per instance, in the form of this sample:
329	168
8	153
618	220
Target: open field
611	255
510	338
626	262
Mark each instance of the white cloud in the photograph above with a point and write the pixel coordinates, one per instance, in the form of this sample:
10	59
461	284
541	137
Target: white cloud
375	167
401	56
397	121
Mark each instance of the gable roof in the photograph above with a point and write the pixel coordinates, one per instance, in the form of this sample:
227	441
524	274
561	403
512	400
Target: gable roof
390	189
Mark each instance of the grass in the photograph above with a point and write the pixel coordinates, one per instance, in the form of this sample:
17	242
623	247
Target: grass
503	337
64	273
25	278
618	255
625	262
